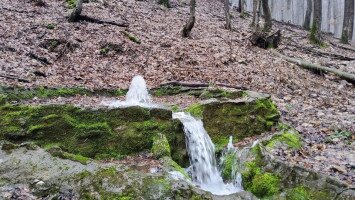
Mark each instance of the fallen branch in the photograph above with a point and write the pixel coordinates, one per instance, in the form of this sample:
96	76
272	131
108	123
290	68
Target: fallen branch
98	21
323	53
347	76
342	46
43	60
185	84
12	77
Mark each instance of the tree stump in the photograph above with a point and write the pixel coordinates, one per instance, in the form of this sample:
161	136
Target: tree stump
263	40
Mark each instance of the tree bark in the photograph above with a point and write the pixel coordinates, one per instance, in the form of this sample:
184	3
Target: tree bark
267	15
347	76
191	22
241	7
348	22
256	14
316	34
307	18
77	11
227	14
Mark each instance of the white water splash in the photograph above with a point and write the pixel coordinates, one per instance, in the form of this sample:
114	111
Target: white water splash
137	95
201	152
138	92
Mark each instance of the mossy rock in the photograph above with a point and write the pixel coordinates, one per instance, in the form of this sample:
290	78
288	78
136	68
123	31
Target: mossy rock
289	138
161	146
239	119
8	94
101	133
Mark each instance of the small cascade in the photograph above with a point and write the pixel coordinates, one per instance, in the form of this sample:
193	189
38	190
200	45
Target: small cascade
137	95
201	151
138	92
236	175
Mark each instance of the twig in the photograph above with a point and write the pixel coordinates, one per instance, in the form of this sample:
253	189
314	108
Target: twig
14	78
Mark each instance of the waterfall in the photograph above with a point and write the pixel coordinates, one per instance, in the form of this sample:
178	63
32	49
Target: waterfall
236	175
201	152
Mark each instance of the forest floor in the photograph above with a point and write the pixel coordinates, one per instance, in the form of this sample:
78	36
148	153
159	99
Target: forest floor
39	47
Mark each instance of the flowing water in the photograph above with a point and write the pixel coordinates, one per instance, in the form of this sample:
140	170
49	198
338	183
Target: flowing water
137	95
203	162
201	150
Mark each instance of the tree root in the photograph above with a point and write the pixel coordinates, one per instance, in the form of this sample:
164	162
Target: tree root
344	75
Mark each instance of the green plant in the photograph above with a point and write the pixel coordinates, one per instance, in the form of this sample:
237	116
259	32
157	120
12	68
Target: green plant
339	134
50	26
104	51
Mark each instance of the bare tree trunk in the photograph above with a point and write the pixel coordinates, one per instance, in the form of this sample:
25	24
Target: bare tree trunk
256	14
316	34
267	15
190	24
77	11
307	18
227	14
348	22
241	7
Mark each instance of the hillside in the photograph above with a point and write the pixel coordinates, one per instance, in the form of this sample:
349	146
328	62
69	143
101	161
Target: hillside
39	47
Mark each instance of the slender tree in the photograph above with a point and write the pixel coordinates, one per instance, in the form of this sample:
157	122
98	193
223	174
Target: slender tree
316	34
348	22
267	15
256	13
227	14
191	22
77	11
307	18
241	7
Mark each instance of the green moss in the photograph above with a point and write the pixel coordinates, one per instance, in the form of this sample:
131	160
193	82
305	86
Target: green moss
75	157
175	108
218	93
313	36
3	98
195	110
252	169
17	94
239	119
229	162
290	138
165	3
265	185
100	134
131	37
167	90
160	146
306	193
344	37
173	166
50	26
104	51
71	3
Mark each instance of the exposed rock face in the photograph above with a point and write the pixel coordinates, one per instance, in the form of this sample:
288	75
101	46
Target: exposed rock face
22	170
241	118
100	133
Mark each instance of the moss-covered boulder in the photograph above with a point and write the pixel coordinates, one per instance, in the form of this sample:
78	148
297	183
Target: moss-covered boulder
93	133
238	118
161	146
